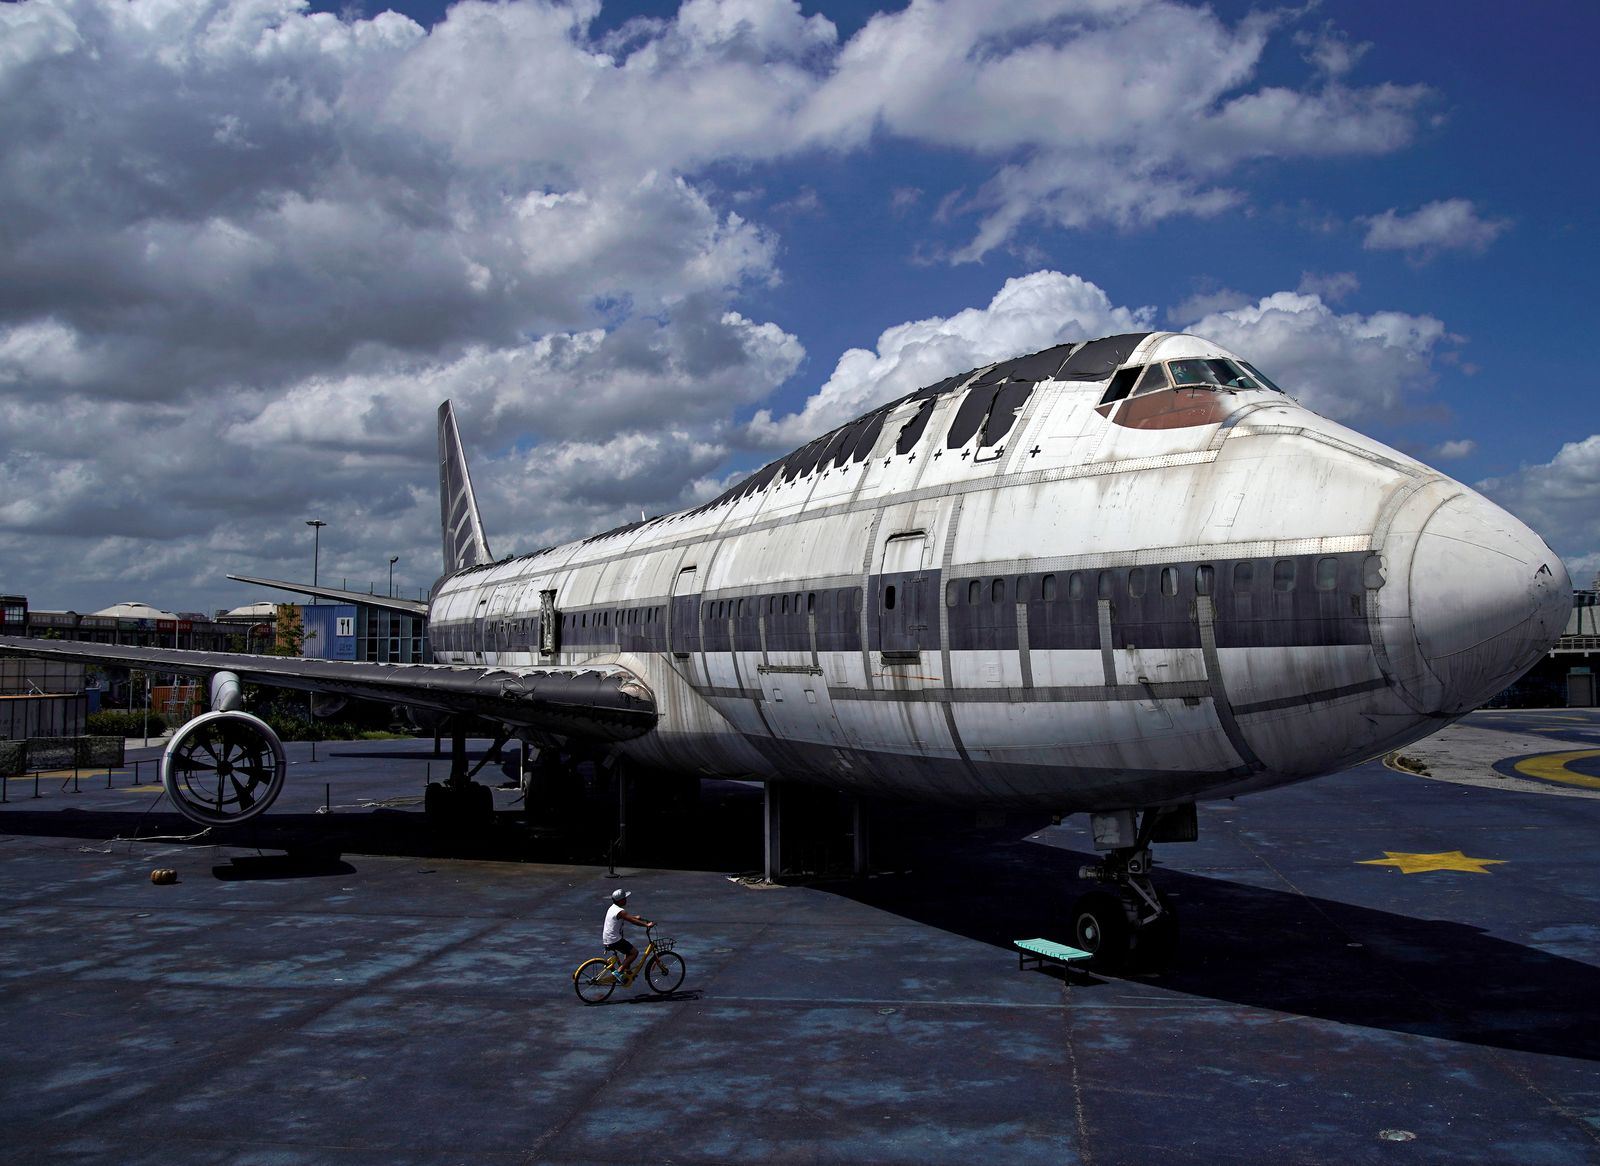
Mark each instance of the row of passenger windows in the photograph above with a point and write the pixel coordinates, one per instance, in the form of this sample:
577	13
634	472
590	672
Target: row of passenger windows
845	601
1139	581
621	617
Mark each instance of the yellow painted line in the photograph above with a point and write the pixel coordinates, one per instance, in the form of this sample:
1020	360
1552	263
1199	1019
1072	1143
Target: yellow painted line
83	774
1554	767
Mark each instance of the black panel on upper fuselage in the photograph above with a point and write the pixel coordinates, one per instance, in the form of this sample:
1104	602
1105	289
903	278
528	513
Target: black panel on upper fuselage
1087	361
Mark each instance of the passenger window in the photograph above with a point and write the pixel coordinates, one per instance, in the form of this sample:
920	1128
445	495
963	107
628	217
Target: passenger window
974	591
1136	582
1204	579
1106	584
997	591
811	601
1243	576
952	593
1075	585
1283	575
1327	574
1169	581
784	606
1048	587
888	598
1022	589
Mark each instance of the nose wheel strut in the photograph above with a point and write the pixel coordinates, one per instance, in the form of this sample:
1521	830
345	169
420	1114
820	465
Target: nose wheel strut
1126	919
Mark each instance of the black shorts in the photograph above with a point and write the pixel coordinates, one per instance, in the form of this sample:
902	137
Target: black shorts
622	947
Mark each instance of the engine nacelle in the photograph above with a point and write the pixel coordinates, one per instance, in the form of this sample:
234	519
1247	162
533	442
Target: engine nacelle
324	704
223	767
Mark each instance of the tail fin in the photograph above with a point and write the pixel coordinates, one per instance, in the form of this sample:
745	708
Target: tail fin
464	544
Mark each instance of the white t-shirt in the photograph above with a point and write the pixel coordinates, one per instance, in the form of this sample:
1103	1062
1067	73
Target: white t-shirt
613	928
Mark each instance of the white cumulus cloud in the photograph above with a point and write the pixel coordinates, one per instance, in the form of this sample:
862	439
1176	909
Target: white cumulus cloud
1029	313
1557	498
1448	225
1344	365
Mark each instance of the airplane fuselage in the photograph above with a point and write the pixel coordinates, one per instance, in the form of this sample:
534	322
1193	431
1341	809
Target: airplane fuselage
1102	589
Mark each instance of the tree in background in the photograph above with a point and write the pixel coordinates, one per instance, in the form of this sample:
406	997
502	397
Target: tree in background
289	635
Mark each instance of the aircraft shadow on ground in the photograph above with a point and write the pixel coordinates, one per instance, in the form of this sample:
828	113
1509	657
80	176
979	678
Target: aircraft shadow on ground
1258	947
1250	946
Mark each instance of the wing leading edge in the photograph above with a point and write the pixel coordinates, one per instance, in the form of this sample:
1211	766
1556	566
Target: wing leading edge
593	702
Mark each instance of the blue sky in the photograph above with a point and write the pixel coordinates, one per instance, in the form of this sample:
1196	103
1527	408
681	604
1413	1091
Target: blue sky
247	246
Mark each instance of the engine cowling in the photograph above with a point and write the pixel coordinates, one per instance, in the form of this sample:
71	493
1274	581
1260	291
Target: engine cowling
223	767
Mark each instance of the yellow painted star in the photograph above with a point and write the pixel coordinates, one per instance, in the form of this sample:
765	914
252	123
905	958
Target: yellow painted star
1416	863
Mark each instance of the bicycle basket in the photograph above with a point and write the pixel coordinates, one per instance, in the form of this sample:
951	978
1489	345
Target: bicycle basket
663	945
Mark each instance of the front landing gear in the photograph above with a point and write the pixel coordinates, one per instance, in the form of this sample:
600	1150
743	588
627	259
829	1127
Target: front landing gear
1130	921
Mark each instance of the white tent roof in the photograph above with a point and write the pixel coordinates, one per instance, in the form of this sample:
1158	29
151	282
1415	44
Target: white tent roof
134	610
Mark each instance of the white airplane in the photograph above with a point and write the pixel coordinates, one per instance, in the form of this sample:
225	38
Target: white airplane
1111	578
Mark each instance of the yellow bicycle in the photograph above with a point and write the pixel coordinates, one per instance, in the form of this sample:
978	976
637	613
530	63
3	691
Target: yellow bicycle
663	970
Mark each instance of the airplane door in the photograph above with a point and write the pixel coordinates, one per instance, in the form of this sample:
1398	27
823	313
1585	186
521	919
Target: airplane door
903	600
685	627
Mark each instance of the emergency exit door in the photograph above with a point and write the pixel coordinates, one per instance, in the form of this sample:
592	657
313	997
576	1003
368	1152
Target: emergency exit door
903	600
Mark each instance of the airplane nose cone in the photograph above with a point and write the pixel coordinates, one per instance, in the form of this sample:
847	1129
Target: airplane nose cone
1488	598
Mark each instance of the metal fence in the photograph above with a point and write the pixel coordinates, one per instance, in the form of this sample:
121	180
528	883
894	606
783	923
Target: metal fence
38	753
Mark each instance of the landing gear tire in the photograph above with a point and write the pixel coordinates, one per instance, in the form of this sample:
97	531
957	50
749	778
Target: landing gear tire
1100	925
458	808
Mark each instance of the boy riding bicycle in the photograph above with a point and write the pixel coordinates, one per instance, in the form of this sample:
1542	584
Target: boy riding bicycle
611	935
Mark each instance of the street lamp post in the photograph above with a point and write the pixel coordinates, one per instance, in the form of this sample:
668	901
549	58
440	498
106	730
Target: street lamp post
393	559
316	525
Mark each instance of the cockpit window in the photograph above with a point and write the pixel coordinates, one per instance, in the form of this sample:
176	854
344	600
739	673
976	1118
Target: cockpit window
1218	373
1155	378
1260	380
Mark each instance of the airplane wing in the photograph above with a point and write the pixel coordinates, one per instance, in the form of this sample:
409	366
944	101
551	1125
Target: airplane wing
339	595
592	702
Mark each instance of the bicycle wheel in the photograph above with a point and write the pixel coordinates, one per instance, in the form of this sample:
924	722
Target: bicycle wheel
592	981
665	972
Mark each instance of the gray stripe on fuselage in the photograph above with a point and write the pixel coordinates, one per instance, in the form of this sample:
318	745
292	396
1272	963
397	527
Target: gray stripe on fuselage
1321	697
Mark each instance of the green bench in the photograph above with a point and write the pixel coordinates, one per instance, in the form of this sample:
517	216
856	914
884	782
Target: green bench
1040	950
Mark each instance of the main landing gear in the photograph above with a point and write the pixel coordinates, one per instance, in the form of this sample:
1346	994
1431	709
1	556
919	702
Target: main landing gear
1130	921
458	804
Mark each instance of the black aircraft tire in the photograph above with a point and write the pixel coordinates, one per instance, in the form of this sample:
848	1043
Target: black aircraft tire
1100	927
435	804
482	802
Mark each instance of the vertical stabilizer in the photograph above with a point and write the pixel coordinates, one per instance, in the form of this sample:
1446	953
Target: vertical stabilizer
464	544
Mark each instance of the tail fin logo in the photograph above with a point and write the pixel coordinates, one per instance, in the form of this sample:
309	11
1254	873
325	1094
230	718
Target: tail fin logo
464	544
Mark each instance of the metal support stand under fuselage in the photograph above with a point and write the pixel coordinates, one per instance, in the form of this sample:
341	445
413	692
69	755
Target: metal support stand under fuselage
772	830
860	848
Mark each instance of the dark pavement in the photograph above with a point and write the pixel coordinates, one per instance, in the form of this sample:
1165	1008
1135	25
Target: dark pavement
374	996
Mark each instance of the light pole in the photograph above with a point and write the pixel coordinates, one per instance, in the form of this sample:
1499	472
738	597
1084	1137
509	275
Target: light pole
393	559
316	525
